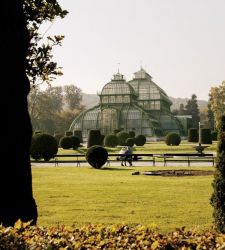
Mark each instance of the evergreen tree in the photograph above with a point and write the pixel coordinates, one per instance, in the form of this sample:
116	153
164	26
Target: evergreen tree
218	196
193	110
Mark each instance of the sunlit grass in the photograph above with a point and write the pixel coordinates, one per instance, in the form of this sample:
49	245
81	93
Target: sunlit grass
79	195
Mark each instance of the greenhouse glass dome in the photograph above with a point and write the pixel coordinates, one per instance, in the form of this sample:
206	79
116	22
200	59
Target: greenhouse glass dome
139	105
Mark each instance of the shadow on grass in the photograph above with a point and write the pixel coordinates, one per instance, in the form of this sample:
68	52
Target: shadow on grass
118	169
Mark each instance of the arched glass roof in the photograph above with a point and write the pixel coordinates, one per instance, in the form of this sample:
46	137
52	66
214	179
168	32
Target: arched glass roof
118	86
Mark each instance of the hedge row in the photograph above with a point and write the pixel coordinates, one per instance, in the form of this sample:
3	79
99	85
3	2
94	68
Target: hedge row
105	237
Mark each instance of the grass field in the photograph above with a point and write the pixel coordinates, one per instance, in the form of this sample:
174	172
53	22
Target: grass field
80	195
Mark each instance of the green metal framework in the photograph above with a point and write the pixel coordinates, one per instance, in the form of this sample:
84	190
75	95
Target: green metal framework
139	105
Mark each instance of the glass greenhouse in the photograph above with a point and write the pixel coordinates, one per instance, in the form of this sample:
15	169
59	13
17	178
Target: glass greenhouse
138	105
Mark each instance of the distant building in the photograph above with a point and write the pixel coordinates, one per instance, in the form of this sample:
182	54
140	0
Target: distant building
138	105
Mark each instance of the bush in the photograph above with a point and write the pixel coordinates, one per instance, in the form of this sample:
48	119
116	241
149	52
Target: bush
172	139
111	141
68	133
66	142
206	136
43	146
192	135
122	137
75	142
96	156
58	137
140	140
94	138
214	135
130	142
159	132
102	140
78	133
218	196
131	134
116	131
93	236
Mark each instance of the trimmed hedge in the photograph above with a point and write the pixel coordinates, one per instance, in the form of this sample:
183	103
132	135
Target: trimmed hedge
122	137
192	135
66	142
68	133
96	156
214	135
111	141
75	142
94	138
206	136
140	140
78	133
172	139
58	138
130	142
131	134
43	146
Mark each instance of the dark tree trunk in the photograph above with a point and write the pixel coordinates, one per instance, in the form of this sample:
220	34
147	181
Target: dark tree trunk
16	197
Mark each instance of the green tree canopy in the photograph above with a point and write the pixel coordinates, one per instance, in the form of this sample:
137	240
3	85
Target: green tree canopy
40	66
217	102
193	110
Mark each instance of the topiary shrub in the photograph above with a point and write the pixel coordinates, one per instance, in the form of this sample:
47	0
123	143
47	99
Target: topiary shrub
66	142
43	146
94	138
111	141
218	196
116	131
159	132
75	141
130	142
131	134
96	156
68	133
58	137
206	136
214	135
37	132
192	135
140	140
102	140
122	137
78	133
172	139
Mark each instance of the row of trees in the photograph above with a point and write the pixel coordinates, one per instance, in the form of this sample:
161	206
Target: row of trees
216	104
191	108
55	108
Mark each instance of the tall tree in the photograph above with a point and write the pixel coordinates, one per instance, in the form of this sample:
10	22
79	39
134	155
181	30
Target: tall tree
217	102
210	116
218	196
16	194
193	110
20	21
73	97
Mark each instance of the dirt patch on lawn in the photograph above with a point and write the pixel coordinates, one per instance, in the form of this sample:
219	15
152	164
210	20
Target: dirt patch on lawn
178	173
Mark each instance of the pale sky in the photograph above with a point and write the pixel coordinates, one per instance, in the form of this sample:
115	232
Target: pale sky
180	43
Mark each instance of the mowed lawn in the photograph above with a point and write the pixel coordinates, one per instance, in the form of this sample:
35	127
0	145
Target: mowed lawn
80	195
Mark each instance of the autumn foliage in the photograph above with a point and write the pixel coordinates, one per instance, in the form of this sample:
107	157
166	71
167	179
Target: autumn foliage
91	236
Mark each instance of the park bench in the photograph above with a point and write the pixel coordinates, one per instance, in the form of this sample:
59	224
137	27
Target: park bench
134	157
187	157
74	158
